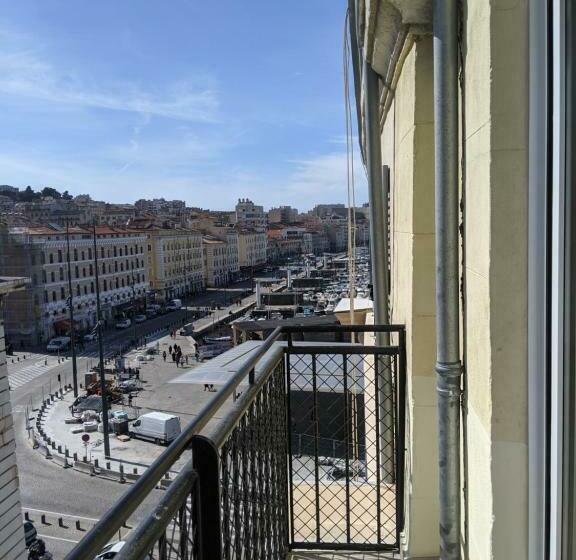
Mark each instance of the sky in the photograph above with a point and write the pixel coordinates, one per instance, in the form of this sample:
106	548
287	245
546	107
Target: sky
205	102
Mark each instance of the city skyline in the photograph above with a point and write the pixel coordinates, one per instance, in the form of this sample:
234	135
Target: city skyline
243	109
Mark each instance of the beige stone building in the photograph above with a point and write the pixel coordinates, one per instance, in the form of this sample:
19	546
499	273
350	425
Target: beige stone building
251	248
514	87
40	312
12	546
216	266
174	261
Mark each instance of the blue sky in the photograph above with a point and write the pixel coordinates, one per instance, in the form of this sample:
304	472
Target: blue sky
188	99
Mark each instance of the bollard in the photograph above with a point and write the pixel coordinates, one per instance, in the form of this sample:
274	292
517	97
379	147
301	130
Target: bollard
27	516
95	463
66	452
24	356
75	456
53	445
59	449
85	459
78	528
18	358
135	470
122	478
43	519
61	522
108	465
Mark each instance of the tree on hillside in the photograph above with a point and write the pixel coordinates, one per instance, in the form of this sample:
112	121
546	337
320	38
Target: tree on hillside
27	195
49	191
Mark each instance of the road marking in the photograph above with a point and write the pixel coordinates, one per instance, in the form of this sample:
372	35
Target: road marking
59	514
58	538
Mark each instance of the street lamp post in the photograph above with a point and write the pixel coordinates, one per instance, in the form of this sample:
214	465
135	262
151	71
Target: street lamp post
71	313
101	352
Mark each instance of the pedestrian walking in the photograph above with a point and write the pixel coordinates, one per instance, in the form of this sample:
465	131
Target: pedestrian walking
173	356
164	355
170	349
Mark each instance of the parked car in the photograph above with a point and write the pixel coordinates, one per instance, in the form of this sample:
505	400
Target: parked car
29	533
123	323
111	550
90	337
156	426
129	386
151	313
58	344
139	318
187	330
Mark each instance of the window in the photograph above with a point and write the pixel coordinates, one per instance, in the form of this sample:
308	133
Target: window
44	277
52	277
90	254
75	254
45	296
62	293
51	258
85	290
54	296
90	270
59	255
91	287
77	272
83	256
77	290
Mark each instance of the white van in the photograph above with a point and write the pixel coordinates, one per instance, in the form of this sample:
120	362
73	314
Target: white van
156	426
174	305
58	344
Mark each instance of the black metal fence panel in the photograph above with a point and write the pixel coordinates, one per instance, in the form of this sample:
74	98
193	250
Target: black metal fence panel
311	455
343	461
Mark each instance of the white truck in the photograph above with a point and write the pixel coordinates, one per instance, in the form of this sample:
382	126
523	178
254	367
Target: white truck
158	427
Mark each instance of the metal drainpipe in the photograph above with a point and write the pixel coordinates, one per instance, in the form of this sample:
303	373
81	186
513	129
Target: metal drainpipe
379	258
448	365
378	244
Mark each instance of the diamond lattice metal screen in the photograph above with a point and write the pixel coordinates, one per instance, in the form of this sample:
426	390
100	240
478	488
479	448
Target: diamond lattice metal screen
346	446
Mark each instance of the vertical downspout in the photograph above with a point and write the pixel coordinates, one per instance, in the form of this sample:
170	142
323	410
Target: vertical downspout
379	258
378	242
448	364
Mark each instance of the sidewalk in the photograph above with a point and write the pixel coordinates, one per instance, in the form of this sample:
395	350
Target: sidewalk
57	440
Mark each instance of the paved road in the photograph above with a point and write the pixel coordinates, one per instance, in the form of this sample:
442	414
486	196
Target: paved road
47	487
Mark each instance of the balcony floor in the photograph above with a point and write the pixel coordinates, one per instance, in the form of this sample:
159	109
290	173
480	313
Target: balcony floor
342	555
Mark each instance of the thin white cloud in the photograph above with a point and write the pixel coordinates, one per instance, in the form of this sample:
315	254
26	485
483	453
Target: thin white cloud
25	72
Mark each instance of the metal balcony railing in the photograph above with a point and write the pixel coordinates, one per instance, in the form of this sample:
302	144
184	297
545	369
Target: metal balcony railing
310	456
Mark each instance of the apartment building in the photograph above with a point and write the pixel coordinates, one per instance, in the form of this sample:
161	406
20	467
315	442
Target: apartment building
174	261
470	105
12	546
282	215
252	246
249	214
35	315
216	266
53	211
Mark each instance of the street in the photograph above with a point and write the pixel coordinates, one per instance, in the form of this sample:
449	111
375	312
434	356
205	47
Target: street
48	488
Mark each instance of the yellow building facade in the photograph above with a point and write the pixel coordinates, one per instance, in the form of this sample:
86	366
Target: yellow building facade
397	40
174	261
